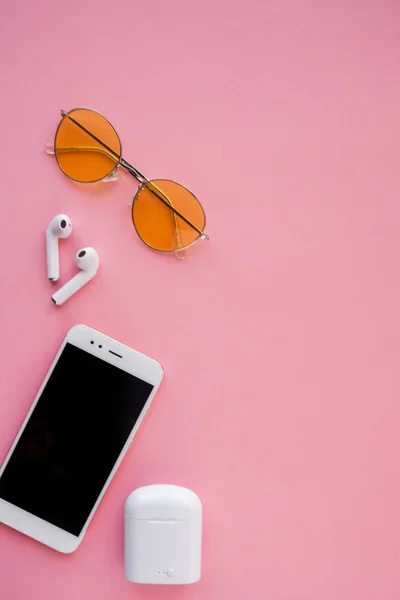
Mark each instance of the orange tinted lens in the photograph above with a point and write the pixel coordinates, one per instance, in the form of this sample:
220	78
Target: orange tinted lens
157	225
86	145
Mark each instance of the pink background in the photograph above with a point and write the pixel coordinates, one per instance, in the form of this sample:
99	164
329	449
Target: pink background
280	338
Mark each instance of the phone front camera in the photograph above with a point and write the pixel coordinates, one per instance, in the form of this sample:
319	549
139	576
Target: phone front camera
92	342
100	346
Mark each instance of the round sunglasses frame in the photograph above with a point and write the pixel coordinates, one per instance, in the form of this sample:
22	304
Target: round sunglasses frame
118	164
142	182
177	250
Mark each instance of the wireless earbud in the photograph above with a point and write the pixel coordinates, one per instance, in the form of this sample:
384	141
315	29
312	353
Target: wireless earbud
87	260
59	227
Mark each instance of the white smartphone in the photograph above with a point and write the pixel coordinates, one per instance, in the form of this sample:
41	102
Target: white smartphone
74	436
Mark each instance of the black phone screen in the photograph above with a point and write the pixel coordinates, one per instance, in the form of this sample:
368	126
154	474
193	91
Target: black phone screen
73	439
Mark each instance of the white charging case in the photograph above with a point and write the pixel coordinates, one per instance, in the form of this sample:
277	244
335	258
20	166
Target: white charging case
163	530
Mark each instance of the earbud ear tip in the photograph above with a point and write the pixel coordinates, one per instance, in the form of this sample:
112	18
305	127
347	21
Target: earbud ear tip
87	259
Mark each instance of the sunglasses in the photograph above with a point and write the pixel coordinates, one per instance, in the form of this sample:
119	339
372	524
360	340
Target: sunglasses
166	215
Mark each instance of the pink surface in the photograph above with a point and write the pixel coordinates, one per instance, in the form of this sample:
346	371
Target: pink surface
280	338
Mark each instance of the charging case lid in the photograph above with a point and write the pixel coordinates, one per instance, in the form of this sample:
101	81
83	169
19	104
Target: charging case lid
162	502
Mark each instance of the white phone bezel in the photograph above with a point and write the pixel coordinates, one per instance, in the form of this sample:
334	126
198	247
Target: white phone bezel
124	358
